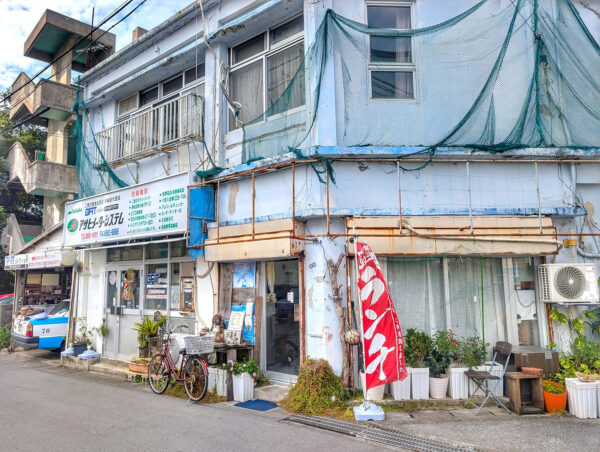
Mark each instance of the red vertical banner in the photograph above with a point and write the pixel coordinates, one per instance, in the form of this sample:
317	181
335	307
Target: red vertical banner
382	336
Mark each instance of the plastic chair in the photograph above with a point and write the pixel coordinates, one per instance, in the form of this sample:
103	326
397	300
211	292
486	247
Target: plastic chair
482	378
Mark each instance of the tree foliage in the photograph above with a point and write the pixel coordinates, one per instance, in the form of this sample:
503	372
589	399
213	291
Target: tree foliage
13	199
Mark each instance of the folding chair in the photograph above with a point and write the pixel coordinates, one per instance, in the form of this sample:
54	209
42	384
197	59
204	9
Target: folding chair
482	378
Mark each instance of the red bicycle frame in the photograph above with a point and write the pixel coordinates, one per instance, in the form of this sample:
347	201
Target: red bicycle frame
172	367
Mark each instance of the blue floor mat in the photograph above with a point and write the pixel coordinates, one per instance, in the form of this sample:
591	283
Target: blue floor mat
257	405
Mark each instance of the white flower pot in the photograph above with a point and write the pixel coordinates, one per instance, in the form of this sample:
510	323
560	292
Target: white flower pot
373	394
419	382
401	389
473	386
583	398
458	383
217	381
438	386
243	387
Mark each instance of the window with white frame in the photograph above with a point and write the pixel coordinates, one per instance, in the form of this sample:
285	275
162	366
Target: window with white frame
263	67
190	80
391	59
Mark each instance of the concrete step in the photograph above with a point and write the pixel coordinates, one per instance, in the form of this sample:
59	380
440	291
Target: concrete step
108	369
273	393
114	362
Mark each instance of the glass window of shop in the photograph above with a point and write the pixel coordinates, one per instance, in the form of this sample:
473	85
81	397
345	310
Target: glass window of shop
148	277
165	264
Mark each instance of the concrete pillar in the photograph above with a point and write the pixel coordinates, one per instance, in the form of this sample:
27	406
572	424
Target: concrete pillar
57	143
322	323
53	210
215	108
61	69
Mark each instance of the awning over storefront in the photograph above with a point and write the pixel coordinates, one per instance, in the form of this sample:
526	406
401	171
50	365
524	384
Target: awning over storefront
456	235
263	240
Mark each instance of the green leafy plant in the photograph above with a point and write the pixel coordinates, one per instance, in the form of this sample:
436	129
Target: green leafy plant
444	345
579	325
101	330
240	367
553	387
584	358
83	334
5	336
147	329
317	389
418	345
472	352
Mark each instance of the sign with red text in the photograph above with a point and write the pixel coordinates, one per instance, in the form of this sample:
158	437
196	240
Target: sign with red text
382	336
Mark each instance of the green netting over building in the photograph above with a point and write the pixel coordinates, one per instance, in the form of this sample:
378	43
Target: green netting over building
502	75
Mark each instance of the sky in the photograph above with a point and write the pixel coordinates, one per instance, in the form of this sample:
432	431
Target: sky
19	17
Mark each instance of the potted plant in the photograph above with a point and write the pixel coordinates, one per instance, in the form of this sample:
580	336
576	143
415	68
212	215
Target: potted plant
82	340
438	362
473	357
458	384
139	366
555	396
147	334
244	373
417	348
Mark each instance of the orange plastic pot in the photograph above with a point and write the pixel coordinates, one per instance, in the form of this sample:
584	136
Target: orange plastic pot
555	402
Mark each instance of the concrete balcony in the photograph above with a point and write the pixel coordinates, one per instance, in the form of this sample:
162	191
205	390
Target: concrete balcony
156	129
46	100
41	177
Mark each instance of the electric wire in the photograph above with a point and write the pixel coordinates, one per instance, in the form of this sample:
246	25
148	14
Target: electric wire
72	48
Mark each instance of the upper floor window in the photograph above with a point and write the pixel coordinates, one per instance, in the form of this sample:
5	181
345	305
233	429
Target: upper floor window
263	67
128	104
184	82
391	66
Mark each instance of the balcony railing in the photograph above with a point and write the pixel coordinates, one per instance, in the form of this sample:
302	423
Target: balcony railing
155	128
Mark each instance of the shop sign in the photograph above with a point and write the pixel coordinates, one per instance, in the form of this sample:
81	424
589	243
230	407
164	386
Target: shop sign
156	291
16	262
155	208
46	259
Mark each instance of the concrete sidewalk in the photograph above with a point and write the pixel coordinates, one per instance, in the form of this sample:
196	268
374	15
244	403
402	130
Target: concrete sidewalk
493	429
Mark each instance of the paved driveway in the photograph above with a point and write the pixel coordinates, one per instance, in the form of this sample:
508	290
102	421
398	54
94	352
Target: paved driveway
48	408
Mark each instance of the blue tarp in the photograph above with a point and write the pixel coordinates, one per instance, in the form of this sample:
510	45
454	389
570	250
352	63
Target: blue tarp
201	212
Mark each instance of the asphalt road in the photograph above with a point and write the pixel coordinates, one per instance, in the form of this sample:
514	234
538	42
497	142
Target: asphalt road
47	408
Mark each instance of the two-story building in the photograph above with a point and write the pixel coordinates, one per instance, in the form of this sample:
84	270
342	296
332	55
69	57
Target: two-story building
458	139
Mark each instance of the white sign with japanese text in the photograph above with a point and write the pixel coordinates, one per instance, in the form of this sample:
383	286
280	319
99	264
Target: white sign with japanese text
154	208
47	259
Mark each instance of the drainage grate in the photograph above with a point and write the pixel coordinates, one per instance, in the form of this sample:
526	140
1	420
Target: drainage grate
383	435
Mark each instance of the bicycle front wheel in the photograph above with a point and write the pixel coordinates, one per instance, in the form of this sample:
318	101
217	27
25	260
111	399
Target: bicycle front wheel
158	374
195	378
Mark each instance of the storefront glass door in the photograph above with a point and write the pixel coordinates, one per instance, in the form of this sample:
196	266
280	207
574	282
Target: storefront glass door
282	320
123	289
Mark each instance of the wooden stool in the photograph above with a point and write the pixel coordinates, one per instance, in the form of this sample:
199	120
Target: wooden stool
514	393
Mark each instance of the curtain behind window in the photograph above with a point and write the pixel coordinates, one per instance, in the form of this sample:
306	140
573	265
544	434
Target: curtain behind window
417	290
246	87
281	69
464	277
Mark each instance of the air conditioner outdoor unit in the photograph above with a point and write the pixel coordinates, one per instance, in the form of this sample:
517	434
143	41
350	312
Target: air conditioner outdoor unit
568	283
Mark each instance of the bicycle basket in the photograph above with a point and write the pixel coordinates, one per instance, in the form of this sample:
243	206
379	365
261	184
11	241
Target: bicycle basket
199	345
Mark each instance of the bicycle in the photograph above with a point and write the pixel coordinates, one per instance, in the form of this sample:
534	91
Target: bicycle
193	373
